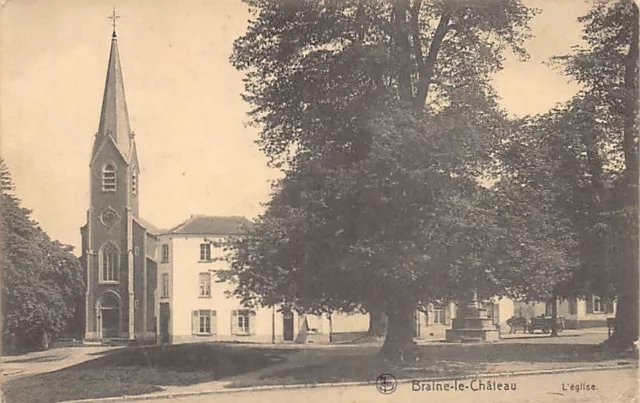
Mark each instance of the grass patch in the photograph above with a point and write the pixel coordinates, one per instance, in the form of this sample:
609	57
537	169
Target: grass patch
140	370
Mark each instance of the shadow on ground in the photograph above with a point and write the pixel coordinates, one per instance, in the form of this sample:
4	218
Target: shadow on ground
140	370
535	336
440	360
47	358
505	352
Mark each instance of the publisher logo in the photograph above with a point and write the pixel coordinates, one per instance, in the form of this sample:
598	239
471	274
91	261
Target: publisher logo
386	384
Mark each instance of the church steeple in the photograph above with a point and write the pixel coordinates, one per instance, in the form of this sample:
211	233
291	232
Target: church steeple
114	117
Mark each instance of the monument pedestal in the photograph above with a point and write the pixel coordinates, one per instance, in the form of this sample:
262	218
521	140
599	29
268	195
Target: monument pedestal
474	326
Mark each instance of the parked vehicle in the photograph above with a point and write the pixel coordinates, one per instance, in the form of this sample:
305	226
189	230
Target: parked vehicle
544	323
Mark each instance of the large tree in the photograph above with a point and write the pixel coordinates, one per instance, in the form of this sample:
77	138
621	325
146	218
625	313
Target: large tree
607	68
556	156
42	285
382	117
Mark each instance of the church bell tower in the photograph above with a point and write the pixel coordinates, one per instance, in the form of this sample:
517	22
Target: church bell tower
114	241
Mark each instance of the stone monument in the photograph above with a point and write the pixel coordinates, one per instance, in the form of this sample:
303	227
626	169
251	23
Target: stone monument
472	325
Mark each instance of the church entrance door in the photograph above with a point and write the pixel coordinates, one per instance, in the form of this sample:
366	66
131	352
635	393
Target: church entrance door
109	315
110	323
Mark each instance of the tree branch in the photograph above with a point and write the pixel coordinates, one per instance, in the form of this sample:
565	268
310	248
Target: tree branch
415	31
403	50
427	73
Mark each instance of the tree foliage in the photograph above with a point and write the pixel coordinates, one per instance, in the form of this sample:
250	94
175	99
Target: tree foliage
382	117
607	67
42	283
583	156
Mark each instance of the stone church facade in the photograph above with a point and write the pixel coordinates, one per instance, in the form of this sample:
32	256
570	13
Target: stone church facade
117	246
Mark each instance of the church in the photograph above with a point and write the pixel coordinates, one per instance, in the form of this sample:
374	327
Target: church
118	247
152	285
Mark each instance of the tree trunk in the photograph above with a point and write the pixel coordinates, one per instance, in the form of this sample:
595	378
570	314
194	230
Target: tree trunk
377	323
398	344
626	328
402	50
627	321
554	315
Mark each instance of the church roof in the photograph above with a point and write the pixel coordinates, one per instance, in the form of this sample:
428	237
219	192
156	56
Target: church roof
211	225
150	227
114	117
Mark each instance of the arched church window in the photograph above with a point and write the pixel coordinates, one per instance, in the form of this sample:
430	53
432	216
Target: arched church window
134	181
109	262
109	178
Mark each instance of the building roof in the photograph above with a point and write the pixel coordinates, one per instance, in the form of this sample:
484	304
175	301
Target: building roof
211	225
114	117
150	227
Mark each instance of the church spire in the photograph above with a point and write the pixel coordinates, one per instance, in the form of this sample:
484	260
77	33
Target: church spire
114	117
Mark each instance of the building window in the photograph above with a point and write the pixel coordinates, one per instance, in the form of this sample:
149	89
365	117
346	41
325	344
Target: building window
136	250
573	306
165	285
165	253
109	178
137	304
134	181
109	263
243	322
204	322
438	316
598	304
205	252
205	285
548	308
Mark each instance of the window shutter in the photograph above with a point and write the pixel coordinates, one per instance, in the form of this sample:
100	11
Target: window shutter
608	306
195	322
234	322
252	322
589	302
447	314
573	306
214	323
496	313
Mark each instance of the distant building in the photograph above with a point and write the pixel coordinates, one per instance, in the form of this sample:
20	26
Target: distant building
578	313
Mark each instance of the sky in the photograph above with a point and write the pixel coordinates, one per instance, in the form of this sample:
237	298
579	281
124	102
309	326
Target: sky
197	155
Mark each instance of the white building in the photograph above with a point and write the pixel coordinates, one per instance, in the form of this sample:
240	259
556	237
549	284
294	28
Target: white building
193	306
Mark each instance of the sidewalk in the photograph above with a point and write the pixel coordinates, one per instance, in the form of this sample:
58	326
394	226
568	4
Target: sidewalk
39	362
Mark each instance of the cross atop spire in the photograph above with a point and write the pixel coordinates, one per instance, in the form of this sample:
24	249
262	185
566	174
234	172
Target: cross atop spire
114	19
114	117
